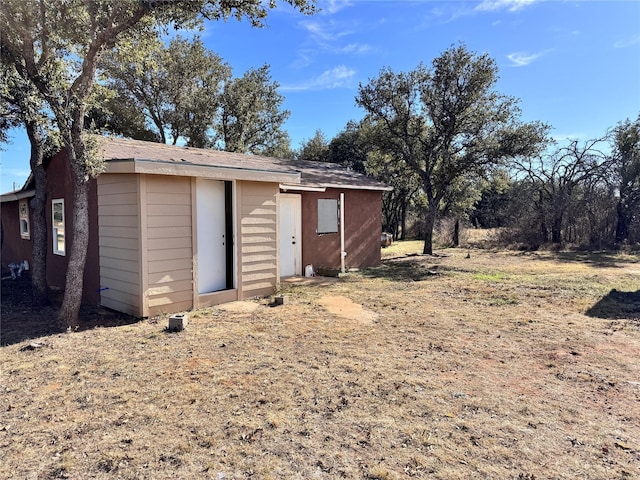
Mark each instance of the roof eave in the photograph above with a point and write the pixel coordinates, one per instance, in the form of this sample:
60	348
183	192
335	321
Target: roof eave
17	195
216	172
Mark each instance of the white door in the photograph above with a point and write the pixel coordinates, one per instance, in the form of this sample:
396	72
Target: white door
212	251
290	235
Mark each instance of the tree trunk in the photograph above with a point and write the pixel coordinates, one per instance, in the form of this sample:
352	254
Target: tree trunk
556	229
456	233
39	286
543	223
622	225
429	224
403	234
70	308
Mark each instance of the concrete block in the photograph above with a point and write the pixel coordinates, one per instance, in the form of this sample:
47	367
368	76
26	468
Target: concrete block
177	322
281	300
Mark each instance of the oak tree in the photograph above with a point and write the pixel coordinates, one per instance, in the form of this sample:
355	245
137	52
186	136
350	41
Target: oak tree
447	122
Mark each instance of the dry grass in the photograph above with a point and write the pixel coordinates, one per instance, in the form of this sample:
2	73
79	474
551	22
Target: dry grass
427	367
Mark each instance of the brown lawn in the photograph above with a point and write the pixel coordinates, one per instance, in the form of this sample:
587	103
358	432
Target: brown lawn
504	365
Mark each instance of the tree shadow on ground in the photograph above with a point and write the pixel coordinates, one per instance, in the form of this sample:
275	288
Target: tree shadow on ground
405	269
20	321
617	305
597	259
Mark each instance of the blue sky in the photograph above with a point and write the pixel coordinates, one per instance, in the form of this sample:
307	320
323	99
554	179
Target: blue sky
574	64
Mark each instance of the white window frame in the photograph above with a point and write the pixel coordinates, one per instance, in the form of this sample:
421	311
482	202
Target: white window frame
328	216
57	226
25	225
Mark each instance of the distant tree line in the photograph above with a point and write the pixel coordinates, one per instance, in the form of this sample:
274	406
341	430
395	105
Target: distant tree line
579	193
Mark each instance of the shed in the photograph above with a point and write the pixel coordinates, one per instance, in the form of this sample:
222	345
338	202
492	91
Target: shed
176	228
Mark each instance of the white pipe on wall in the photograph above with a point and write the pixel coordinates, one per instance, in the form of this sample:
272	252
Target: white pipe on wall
342	252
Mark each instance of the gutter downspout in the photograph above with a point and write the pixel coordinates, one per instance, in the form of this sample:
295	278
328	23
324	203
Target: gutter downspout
342	252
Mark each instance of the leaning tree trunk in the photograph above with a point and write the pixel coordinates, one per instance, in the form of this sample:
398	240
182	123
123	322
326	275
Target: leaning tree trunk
622	225
456	233
556	229
72	299
429	224
39	287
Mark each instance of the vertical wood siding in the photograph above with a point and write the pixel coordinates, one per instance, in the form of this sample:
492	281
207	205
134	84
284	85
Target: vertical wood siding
119	243
258	238
169	263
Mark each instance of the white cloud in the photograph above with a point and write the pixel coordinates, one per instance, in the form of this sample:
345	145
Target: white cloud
521	59
511	5
338	77
356	48
627	42
333	6
327	37
324	32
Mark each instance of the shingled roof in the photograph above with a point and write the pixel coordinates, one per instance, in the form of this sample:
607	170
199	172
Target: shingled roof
136	156
313	175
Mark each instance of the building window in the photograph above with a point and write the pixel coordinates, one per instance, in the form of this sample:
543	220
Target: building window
57	220
327	215
25	231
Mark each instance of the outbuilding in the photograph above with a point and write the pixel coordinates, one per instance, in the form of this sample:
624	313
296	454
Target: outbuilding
176	228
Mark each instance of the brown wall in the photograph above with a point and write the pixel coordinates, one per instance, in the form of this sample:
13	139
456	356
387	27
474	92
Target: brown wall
363	226
14	248
61	183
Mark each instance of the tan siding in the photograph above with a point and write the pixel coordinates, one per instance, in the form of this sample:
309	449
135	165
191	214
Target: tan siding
168	277
126	185
123	199
168	198
119	232
166	300
258	238
119	243
258	248
169	210
169	222
164	243
161	233
116	210
129	243
117	253
175	307
119	275
169	265
174	253
169	244
118	221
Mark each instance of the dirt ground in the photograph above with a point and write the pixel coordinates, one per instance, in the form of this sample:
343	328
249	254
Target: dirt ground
503	365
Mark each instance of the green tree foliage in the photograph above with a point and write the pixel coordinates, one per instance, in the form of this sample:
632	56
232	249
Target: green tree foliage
185	91
350	148
169	93
491	209
626	156
251	118
315	149
56	45
447	122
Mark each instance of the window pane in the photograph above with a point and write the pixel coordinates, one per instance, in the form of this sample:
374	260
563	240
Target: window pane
57	215
327	215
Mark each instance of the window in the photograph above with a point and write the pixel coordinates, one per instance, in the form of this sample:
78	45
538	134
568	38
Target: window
57	220
25	232
327	215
